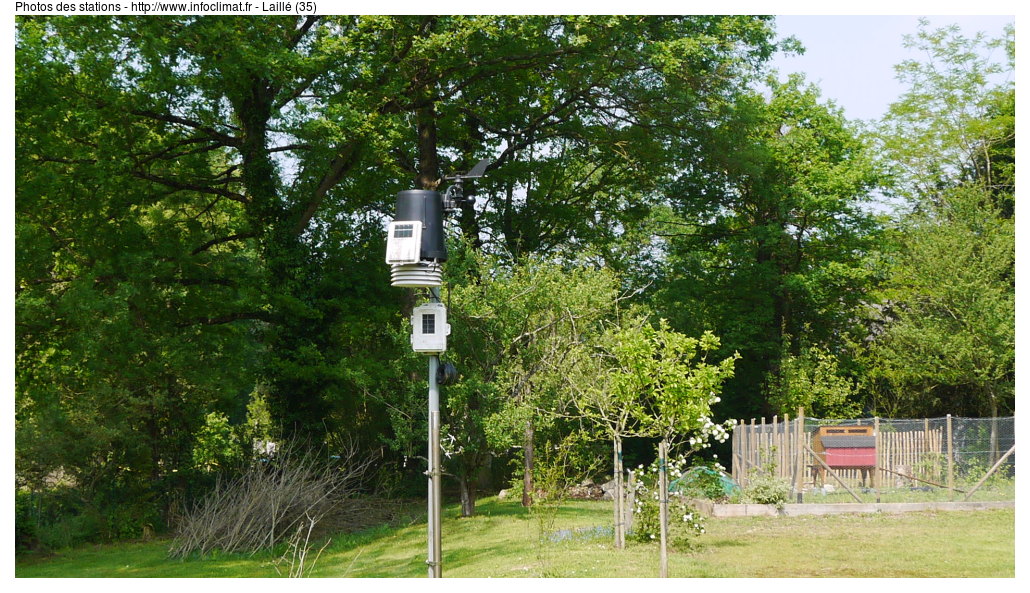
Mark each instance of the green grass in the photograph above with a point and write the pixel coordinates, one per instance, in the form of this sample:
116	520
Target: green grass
506	541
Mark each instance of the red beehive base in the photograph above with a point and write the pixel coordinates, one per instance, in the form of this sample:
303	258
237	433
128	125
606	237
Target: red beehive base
851	457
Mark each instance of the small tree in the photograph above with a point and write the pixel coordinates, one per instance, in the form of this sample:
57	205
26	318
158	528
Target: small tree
518	323
608	409
812	380
670	388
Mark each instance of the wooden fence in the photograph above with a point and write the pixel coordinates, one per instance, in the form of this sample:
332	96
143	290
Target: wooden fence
783	448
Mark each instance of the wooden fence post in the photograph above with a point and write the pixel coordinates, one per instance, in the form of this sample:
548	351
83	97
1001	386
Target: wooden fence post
631	503
875	478
738	439
751	448
993	469
800	436
951	459
763	445
788	454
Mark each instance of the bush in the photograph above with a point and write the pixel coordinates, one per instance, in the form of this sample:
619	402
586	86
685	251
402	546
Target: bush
685	522
762	489
64	517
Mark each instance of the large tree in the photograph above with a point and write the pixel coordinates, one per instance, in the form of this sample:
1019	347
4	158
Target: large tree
946	333
200	199
767	235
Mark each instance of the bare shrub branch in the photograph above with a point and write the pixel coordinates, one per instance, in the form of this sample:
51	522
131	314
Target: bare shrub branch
269	502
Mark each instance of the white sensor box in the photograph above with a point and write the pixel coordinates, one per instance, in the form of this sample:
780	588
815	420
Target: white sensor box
429	328
404	242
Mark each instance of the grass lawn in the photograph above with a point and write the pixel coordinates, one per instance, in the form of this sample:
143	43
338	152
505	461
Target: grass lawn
506	541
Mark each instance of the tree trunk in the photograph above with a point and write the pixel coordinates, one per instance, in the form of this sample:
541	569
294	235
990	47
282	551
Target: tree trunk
527	465
467	487
428	158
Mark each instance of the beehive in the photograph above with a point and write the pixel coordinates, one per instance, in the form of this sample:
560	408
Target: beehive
845	446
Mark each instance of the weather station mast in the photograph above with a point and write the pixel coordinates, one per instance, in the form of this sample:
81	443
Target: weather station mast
416	250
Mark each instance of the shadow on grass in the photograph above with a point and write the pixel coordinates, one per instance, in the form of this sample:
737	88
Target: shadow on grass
724	543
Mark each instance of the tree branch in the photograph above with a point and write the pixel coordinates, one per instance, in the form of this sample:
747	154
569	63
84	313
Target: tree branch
221	240
228	318
206	189
343	161
174	119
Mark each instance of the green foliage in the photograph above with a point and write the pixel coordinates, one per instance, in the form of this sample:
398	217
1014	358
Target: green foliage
217	445
764	489
951	320
946	341
200	200
972	469
61	517
768	234
949	125
813	381
561	464
517	324
665	380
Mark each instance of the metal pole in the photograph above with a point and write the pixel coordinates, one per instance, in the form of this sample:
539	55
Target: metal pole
434	473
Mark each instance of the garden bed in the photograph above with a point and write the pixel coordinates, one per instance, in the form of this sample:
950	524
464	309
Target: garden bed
791	510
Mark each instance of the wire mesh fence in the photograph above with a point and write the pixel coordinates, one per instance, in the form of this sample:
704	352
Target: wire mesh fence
880	459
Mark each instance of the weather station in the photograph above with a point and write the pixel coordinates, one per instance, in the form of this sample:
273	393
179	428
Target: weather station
416	251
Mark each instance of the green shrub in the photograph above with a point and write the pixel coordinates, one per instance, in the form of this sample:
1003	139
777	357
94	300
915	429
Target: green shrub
763	489
60	517
685	522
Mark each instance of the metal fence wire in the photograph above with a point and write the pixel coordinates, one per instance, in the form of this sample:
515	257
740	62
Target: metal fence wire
872	457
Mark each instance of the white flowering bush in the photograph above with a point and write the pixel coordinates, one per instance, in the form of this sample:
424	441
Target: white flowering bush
685	522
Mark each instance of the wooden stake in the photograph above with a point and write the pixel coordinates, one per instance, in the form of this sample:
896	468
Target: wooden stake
875	477
617	495
993	469
737	461
631	502
951	459
835	476
788	451
663	506
751	448
800	435
763	446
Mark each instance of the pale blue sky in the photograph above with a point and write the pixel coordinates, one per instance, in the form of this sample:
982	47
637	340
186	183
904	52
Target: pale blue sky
852	58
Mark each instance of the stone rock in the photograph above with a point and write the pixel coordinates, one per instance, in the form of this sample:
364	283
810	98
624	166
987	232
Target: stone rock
502	495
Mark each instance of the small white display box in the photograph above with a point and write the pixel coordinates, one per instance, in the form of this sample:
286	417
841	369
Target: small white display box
404	242
429	328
